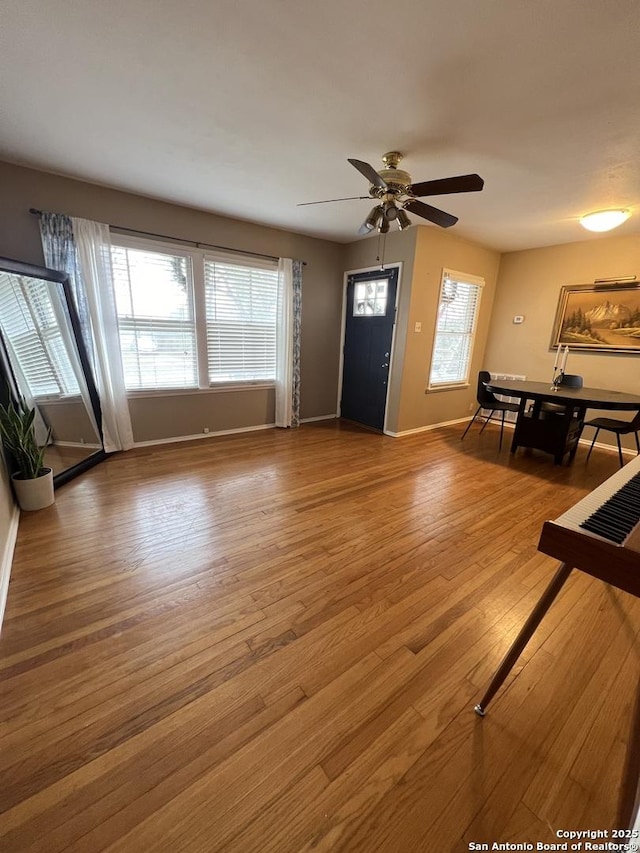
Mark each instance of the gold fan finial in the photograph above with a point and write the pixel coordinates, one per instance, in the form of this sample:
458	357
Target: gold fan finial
391	159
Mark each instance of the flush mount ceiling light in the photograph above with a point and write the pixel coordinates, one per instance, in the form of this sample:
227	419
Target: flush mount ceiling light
604	220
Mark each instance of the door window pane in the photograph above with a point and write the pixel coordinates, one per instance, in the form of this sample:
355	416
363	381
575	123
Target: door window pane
370	298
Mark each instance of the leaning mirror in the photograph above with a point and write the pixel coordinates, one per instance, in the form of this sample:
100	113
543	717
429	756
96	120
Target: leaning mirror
44	361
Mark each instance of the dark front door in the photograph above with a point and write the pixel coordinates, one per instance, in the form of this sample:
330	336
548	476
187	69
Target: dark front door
371	301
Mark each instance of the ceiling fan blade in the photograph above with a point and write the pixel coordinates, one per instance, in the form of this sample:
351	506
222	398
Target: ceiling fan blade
459	184
439	217
326	201
369	172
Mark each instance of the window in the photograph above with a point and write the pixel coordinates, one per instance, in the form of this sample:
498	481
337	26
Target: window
241	320
455	329
154	300
36	343
191	320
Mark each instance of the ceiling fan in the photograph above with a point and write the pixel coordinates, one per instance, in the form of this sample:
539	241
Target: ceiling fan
396	194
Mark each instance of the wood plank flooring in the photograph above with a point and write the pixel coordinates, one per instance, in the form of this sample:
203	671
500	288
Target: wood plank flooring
273	642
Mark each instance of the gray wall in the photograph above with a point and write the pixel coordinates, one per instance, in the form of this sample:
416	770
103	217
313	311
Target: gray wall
161	417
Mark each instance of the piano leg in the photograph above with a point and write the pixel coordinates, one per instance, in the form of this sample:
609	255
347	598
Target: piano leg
526	632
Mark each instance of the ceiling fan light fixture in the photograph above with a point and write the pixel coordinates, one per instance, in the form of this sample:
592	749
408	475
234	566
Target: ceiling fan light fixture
373	218
390	211
604	220
384	225
403	220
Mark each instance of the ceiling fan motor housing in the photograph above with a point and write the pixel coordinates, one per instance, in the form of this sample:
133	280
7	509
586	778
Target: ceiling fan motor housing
396	179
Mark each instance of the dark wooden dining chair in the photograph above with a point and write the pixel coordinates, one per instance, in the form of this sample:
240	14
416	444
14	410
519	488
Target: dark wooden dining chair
569	380
487	400
619	428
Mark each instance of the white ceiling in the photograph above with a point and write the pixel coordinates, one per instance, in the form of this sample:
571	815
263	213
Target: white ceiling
248	107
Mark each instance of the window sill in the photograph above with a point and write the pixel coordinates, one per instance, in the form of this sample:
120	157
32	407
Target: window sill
59	398
438	388
214	389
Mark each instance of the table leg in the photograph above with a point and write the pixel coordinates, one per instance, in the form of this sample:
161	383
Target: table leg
516	432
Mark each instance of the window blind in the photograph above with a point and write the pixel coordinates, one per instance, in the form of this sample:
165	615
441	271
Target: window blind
34	337
154	299
455	330
241	301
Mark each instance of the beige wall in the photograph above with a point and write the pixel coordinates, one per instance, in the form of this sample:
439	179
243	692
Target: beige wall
529	284
424	252
435	250
321	298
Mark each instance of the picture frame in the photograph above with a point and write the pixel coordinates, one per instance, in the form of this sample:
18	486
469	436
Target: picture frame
598	318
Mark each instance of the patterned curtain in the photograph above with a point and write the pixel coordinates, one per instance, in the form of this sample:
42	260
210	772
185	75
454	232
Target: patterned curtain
297	325
61	253
288	316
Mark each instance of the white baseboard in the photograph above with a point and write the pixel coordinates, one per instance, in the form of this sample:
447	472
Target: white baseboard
586	441
7	560
200	435
77	444
319	418
425	428
611	447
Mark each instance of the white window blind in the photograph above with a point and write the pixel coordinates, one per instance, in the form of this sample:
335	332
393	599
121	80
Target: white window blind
241	301
455	329
35	341
154	299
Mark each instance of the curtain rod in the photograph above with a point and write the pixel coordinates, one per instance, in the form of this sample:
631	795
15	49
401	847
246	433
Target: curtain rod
37	212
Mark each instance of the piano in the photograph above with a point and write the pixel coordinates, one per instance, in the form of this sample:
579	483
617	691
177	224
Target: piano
600	535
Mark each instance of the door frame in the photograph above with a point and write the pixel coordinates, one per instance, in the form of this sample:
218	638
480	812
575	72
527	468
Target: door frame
343	331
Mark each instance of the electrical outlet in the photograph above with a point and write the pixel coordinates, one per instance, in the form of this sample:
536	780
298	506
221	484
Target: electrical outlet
205	429
470	407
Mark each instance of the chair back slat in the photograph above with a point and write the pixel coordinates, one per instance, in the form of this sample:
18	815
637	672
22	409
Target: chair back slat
485	398
571	380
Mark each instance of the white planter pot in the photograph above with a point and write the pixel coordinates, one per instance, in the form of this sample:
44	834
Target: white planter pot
34	494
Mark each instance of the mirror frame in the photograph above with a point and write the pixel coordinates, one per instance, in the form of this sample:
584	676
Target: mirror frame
33	271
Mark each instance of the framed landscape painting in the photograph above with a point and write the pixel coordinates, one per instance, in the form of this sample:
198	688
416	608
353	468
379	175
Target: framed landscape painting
599	317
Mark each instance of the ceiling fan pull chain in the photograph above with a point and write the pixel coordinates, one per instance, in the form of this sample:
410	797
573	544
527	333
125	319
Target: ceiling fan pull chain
382	237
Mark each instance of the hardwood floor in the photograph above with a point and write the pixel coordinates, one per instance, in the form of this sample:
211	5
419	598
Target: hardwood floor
274	642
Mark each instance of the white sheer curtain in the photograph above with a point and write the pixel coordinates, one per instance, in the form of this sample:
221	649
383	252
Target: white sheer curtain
94	254
284	344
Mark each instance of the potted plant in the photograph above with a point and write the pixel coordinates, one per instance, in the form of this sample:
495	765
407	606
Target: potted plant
32	481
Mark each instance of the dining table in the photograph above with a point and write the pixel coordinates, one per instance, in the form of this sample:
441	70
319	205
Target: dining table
557	432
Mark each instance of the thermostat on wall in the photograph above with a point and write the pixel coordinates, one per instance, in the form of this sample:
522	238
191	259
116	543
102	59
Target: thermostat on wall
518	319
